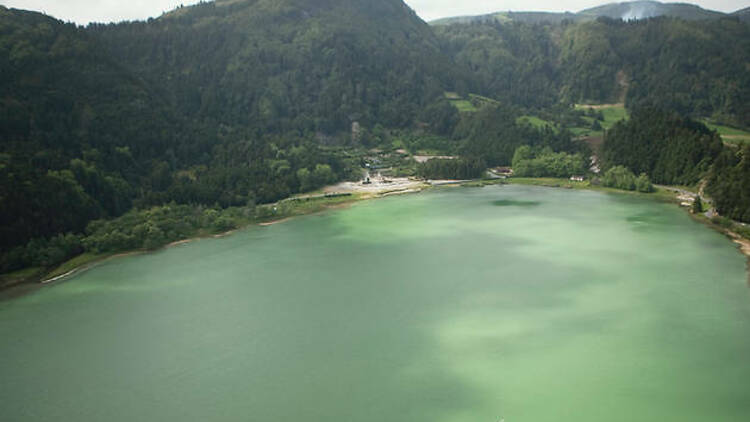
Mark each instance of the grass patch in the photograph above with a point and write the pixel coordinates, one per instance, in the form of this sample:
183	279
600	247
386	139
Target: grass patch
612	113
534	121
464	106
483	100
79	261
467	106
582	131
482	183
300	206
19	276
549	182
729	134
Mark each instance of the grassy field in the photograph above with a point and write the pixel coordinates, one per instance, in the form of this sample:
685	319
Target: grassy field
464	106
612	114
461	104
534	121
483	100
730	135
19	276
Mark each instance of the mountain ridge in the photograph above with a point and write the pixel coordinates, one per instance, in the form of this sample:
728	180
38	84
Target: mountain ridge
641	9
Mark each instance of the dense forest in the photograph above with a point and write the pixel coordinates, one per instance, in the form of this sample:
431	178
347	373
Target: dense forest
671	149
292	65
211	109
729	183
494	132
459	169
543	162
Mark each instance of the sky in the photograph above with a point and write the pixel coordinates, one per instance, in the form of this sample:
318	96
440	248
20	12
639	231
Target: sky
85	11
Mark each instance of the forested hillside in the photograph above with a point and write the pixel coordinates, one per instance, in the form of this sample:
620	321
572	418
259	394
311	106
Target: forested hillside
77	130
288	65
729	183
650	9
694	68
629	10
669	148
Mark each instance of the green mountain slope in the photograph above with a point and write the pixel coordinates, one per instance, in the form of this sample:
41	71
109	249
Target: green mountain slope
651	9
505	17
219	104
697	68
287	65
625	11
62	99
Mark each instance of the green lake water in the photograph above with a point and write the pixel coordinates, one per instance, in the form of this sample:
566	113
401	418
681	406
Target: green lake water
455	305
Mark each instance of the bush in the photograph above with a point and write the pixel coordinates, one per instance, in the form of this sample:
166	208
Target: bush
620	177
528	162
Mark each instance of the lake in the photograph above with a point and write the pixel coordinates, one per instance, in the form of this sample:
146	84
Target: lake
458	304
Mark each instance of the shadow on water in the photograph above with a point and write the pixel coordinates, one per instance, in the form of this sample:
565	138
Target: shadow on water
515	203
651	217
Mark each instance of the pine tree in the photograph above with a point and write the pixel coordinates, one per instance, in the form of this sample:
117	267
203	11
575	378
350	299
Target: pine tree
697	205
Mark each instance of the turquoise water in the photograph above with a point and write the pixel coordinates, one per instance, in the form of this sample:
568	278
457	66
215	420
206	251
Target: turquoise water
527	303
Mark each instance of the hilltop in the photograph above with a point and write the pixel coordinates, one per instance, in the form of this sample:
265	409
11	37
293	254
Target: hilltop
651	9
743	14
311	65
625	11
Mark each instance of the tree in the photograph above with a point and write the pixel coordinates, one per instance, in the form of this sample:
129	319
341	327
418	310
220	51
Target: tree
530	162
643	184
697	205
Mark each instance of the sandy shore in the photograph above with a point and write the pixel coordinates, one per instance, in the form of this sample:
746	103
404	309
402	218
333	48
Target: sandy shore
271	223
744	244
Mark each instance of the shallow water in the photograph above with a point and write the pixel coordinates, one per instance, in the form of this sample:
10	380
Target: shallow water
527	303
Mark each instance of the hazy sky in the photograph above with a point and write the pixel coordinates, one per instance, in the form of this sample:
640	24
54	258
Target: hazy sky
85	11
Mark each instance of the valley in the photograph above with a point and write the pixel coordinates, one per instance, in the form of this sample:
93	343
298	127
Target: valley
335	210
222	109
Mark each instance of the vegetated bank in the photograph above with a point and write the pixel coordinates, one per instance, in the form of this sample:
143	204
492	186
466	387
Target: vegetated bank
140	231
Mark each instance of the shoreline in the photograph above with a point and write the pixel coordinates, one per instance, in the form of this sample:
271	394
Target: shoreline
741	242
669	194
44	279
